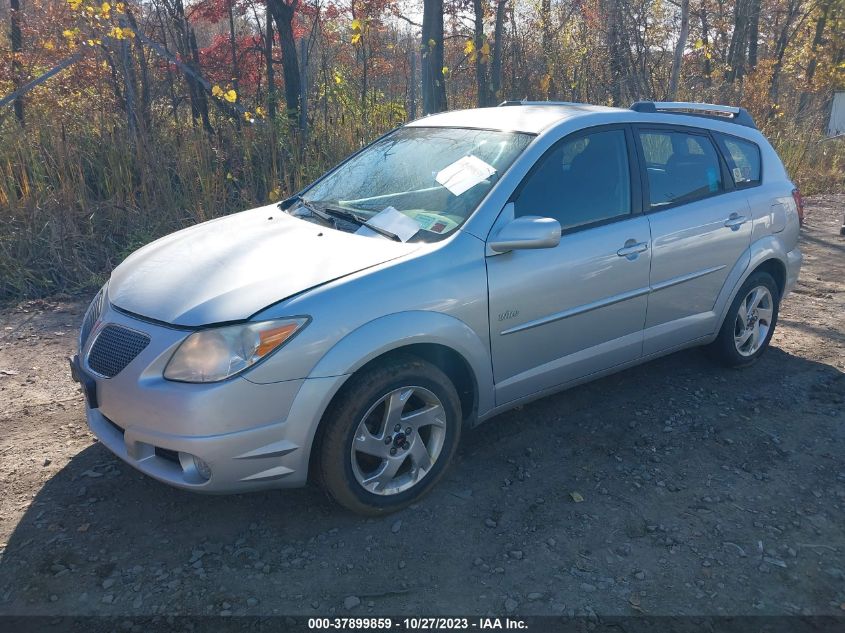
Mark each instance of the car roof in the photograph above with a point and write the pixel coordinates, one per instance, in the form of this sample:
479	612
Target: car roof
538	116
532	119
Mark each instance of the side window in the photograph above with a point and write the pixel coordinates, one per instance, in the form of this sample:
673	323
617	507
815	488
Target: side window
583	180
682	167
743	158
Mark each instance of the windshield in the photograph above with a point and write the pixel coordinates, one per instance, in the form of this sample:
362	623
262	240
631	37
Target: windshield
434	176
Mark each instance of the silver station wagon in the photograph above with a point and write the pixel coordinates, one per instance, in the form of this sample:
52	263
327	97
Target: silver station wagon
458	266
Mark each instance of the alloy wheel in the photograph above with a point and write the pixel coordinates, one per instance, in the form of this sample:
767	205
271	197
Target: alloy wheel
753	321
398	440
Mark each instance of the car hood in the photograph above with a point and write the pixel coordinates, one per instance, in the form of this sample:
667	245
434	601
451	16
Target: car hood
230	268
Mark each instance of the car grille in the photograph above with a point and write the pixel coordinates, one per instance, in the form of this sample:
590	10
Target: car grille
114	348
91	316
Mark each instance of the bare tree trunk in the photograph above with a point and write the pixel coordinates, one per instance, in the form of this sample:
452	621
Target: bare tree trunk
780	51
233	43
129	91
303	96
17	51
145	118
496	65
514	49
433	84
412	86
546	43
187	47
705	39
283	13
739	41
268	59
680	45
618	74
818	39
480	61
201	97
753	33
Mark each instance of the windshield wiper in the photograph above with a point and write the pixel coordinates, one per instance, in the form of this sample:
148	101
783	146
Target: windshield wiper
346	214
302	202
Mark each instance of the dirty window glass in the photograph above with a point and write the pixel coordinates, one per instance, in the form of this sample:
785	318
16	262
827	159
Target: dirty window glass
436	176
580	181
743	158
681	167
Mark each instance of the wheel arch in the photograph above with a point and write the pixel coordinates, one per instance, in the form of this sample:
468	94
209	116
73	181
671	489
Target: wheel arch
442	340
767	254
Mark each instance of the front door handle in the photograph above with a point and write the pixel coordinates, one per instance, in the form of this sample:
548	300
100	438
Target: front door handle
632	248
735	221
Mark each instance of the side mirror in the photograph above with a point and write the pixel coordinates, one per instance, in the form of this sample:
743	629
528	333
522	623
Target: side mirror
528	231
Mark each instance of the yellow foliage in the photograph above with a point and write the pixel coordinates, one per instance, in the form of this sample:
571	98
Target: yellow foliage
74	4
356	38
469	47
216	91
231	96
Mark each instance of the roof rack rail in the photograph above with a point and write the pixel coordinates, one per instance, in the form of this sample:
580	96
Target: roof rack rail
524	102
710	110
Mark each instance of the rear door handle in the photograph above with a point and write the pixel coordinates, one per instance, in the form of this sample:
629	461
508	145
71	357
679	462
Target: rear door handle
632	248
735	221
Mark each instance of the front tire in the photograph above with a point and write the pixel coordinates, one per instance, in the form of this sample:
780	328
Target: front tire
750	322
389	436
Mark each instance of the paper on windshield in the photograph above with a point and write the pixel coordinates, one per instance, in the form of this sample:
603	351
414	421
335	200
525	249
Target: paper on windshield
464	174
392	220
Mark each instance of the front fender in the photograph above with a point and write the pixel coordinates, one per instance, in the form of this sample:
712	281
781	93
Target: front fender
398	330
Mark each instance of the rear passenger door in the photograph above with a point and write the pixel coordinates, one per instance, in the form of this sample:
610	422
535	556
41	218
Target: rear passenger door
700	228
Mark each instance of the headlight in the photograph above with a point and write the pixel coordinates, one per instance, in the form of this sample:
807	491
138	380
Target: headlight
218	353
91	315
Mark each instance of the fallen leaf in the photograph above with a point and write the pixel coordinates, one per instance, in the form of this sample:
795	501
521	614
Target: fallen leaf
83	528
576	497
9	372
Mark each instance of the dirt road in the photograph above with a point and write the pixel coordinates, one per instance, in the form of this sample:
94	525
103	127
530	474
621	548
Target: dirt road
705	491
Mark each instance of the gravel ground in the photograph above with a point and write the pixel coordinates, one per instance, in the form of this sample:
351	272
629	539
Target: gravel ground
678	487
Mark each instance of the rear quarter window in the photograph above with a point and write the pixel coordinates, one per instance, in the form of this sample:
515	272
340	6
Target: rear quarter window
743	158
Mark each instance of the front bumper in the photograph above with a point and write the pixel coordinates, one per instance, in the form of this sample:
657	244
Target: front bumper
251	436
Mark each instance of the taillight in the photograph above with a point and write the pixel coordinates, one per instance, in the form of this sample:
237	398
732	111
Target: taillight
799	204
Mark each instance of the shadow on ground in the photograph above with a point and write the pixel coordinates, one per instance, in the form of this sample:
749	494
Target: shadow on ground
705	491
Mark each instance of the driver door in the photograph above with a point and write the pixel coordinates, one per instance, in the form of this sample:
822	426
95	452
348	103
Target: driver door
559	314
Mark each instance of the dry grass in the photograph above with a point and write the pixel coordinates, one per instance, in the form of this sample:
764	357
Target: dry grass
75	201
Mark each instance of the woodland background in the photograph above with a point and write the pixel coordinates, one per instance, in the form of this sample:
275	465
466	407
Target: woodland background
164	113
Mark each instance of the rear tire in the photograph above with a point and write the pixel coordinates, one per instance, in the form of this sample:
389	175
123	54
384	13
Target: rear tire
389	436
750	322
